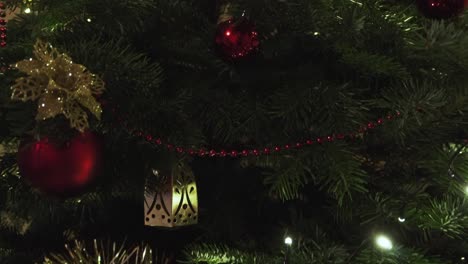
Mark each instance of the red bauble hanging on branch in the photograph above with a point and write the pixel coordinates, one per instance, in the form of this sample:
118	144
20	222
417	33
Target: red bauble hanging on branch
60	170
441	9
236	38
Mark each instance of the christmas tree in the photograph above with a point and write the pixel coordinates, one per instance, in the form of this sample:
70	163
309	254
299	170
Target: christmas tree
196	131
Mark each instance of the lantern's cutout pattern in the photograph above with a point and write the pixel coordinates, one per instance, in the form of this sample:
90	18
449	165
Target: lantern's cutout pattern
171	200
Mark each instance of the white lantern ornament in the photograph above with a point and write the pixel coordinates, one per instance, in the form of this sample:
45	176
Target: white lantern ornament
171	197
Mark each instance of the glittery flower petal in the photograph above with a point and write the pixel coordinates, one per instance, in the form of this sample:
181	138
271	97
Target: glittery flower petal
29	88
50	105
44	52
77	116
92	82
84	98
29	66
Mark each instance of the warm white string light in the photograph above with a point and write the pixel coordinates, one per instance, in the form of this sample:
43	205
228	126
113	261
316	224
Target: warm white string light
384	242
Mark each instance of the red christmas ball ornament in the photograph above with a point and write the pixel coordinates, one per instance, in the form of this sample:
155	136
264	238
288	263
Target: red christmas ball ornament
236	39
61	170
441	9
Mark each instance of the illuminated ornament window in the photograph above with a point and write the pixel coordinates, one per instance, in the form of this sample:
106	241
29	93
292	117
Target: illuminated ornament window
171	198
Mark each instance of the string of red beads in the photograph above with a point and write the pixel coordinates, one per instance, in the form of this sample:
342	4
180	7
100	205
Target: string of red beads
276	148
3	22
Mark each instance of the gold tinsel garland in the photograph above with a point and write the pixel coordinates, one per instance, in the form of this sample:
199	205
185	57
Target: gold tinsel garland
103	253
59	86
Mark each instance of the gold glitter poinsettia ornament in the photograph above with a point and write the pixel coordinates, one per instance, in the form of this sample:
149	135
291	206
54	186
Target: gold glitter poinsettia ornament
59	86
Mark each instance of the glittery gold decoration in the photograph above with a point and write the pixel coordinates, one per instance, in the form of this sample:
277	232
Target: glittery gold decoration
102	252
59	86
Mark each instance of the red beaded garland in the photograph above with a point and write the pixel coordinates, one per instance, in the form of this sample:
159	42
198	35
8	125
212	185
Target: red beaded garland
440	9
261	151
3	22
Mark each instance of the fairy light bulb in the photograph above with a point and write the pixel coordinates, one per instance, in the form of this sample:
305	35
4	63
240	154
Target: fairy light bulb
288	241
27	10
384	242
401	219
